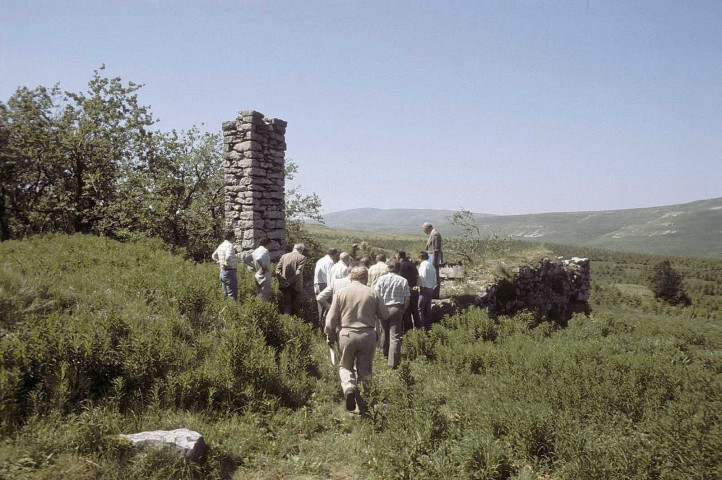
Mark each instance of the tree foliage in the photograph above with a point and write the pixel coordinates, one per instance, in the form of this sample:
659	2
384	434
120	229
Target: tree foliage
666	284
91	162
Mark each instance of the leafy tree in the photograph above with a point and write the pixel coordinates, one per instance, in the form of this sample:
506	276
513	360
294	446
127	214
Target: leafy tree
666	284
298	209
65	155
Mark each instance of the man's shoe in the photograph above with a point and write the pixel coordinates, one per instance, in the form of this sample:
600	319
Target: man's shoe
350	400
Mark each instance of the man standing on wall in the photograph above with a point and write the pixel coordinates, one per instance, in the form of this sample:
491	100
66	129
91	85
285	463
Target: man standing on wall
355	310
289	271
409	272
321	279
225	257
427	282
394	289
433	247
262	265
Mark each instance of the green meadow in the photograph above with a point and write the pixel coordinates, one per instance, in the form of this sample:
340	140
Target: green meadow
99	337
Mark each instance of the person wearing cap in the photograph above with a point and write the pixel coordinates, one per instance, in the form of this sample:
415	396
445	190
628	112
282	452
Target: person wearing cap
289	271
321	279
394	289
436	255
225	257
350	321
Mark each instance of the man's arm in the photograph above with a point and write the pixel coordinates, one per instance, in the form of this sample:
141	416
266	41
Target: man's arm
333	321
382	311
301	265
325	296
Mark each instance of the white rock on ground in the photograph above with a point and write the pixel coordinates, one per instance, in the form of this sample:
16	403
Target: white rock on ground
188	443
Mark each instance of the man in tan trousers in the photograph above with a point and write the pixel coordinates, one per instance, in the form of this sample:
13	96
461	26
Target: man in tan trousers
355	310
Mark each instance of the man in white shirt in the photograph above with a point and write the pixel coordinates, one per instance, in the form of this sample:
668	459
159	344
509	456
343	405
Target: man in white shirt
378	269
341	268
262	265
395	292
321	276
426	284
225	257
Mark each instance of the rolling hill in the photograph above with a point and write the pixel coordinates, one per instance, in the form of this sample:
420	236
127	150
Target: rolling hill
687	229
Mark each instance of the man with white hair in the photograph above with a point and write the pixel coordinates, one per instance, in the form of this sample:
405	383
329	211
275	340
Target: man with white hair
355	311
321	279
289	271
342	267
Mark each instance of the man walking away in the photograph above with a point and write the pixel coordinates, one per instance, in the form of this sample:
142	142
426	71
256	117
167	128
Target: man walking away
342	267
262	265
427	282
321	276
394	290
355	310
433	247
378	269
409	272
289	271
225	257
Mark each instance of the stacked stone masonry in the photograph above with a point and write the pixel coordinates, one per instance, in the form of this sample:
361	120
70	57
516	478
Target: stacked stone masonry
254	160
553	288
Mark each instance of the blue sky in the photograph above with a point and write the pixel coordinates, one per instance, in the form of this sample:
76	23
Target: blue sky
504	107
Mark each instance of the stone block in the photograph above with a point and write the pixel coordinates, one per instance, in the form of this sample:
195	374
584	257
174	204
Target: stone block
226	126
232	156
186	442
277	234
246	146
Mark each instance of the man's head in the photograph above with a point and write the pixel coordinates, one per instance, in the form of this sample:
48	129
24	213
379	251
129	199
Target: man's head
299	247
359	274
230	235
423	255
345	257
394	267
333	253
365	262
264	241
401	255
380	257
427	228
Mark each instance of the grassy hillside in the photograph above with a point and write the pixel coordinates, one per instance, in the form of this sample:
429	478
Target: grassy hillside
688	229
99	338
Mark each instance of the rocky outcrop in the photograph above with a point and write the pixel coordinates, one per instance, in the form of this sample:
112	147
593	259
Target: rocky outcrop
186	442
553	288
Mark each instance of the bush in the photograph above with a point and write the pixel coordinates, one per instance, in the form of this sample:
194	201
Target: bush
666	284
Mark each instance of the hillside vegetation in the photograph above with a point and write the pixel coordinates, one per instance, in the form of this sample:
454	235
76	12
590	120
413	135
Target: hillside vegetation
99	338
688	229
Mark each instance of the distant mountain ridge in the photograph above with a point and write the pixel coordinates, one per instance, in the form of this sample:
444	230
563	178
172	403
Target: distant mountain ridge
693	228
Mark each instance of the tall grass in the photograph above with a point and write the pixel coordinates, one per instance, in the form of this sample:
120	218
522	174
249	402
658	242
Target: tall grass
100	338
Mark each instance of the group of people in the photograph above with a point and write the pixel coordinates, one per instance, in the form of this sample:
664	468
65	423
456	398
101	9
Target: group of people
361	307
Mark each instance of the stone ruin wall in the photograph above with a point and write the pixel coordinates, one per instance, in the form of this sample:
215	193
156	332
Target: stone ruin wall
254	160
553	289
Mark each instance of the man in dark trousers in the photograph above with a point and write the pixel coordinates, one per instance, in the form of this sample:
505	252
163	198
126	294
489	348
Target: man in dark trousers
289	271
409	272
436	256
